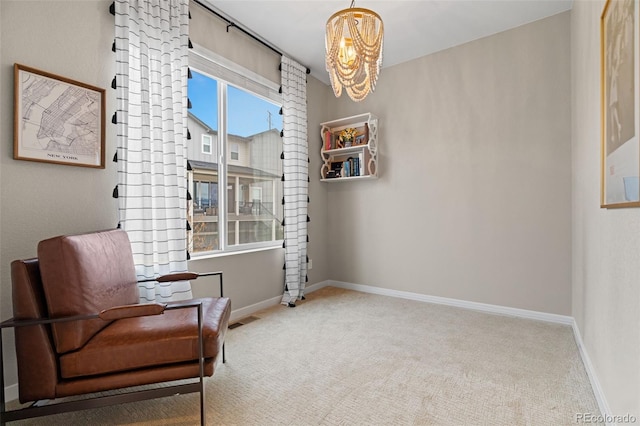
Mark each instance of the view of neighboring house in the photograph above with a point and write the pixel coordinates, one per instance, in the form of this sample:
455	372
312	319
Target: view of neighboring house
253	184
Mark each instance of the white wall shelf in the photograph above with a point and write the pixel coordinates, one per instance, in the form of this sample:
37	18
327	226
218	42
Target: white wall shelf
356	162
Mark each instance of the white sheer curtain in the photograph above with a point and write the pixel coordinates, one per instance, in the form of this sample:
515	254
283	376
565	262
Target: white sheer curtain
296	178
152	39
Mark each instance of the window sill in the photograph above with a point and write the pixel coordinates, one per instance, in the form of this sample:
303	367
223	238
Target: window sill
211	255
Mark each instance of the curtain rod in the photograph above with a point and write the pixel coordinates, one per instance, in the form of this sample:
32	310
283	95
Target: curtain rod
231	24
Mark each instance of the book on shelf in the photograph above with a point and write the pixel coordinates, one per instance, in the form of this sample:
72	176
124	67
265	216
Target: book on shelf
331	140
352	167
327	140
346	169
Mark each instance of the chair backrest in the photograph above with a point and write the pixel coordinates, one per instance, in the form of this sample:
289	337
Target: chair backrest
84	274
37	363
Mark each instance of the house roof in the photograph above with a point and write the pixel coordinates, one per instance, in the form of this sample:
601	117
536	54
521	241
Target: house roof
231	169
208	129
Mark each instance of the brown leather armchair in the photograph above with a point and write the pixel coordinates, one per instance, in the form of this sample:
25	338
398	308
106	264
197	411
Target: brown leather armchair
79	329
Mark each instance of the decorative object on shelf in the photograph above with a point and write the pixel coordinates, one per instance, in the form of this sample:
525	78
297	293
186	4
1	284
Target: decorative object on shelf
353	44
620	165
347	136
57	120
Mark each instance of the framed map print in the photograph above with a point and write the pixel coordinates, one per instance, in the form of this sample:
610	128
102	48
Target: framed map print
57	120
620	153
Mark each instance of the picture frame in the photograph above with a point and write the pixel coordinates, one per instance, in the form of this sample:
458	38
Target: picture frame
57	119
620	146
360	139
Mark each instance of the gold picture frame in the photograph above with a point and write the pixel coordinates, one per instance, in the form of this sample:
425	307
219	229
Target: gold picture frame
57	120
620	147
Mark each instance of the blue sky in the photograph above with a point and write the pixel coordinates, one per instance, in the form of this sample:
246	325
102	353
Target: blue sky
247	114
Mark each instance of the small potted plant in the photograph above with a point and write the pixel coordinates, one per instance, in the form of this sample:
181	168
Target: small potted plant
347	136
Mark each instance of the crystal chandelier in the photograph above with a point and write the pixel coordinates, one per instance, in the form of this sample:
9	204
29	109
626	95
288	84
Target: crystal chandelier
354	51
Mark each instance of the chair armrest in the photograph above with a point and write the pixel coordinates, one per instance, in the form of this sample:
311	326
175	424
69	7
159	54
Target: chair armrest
178	276
12	322
181	276
117	312
130	311
185	276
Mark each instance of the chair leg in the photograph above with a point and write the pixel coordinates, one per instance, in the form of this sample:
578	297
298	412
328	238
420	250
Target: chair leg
224	358
3	408
203	416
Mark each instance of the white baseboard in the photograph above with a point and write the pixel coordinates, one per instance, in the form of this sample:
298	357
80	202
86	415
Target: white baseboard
484	307
316	286
252	309
237	314
593	378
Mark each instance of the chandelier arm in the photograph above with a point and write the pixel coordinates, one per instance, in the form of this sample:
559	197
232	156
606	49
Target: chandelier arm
369	50
334	34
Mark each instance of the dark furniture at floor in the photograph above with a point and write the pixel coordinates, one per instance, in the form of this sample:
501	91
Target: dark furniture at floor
80	329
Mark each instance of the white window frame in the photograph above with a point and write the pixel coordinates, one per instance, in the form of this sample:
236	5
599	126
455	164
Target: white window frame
208	144
227	73
235	149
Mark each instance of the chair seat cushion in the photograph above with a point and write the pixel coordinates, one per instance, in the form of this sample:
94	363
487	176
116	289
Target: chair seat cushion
134	343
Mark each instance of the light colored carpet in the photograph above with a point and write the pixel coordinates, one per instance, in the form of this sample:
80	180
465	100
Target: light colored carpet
348	358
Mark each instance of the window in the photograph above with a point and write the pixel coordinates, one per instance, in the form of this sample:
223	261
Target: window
245	126
206	144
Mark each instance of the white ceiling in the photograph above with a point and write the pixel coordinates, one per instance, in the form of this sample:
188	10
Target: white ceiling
411	28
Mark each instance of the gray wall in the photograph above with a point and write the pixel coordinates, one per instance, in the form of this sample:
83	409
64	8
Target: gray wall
474	196
40	200
606	243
